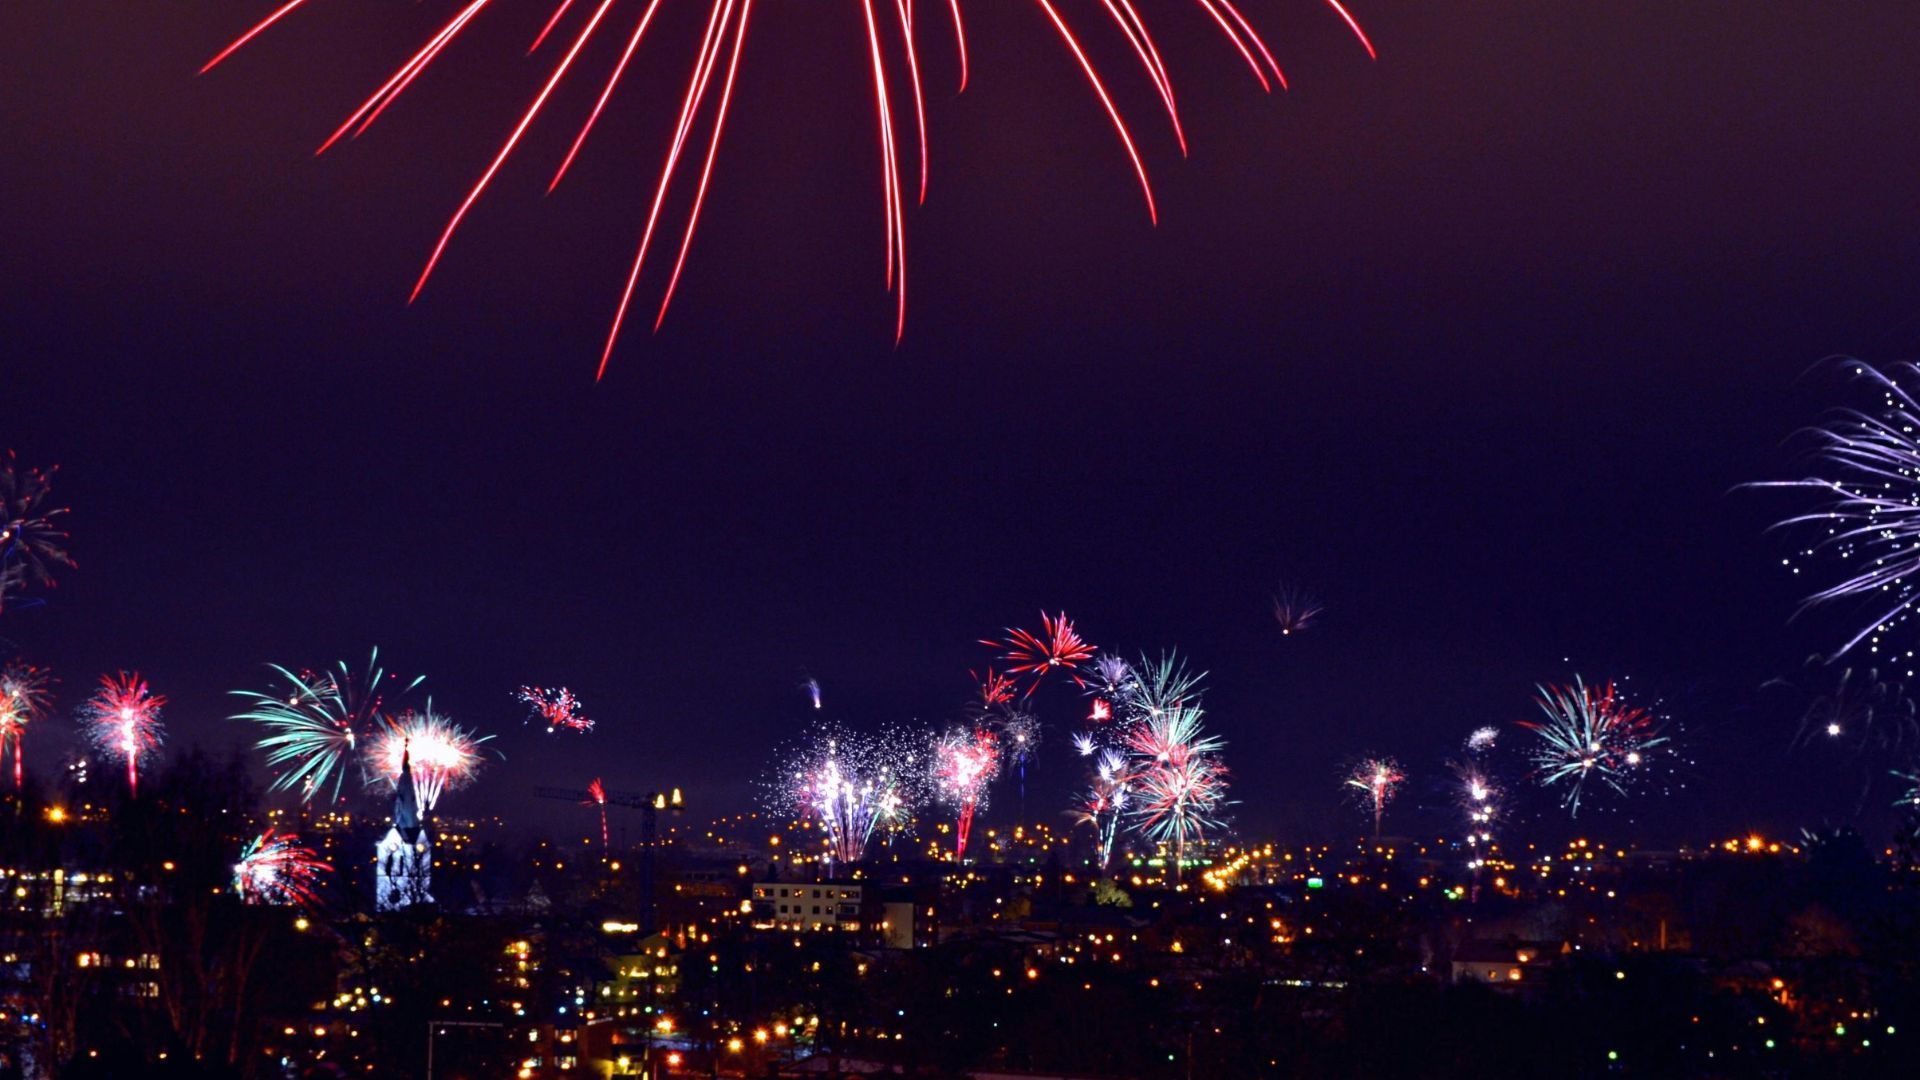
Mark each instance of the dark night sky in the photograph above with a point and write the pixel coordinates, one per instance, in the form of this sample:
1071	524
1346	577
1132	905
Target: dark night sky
1475	340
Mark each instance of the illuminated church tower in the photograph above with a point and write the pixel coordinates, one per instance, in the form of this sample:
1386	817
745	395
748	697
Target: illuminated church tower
403	863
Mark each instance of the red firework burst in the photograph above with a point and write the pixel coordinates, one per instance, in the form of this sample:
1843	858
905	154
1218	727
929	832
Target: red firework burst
557	708
1057	646
995	688
892	63
122	720
275	869
964	762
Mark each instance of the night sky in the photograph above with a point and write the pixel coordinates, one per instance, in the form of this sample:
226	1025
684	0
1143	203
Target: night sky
1475	341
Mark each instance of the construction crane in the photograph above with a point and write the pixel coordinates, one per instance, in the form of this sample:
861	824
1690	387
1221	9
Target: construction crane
650	804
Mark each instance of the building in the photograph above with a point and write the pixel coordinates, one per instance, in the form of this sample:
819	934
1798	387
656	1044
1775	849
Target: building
1503	963
819	905
403	861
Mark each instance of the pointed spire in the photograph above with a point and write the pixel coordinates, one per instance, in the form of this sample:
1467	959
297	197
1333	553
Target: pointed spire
406	807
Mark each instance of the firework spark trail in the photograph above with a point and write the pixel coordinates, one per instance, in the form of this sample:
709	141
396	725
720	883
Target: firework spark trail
1591	733
1295	610
965	761
557	708
1871	521
445	756
812	687
24	697
597	795
122	721
275	869
316	725
726	34
32	545
1377	781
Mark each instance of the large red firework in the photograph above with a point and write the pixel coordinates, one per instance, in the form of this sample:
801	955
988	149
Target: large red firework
122	720
893	66
1058	645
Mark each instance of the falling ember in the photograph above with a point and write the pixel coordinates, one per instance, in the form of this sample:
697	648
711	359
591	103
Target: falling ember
122	721
275	869
557	708
891	64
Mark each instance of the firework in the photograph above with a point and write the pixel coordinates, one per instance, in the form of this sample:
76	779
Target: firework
1482	739
1295	610
1869	524
1478	799
1105	804
24	698
557	708
275	869
32	545
853	785
122	720
1085	744
317	722
1163	686
1058	645
965	761
891	63
1176	798
597	795
1858	707
812	687
994	690
1591	733
445	756
1163	735
1375	781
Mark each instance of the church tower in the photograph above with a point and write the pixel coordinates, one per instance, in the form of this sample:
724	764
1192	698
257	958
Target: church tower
403	862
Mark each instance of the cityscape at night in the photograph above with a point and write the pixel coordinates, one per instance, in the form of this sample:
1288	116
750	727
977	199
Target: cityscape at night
959	539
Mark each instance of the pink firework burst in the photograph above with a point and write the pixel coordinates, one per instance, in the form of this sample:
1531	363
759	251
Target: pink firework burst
1058	645
122	720
891	64
24	698
275	869
965	761
1376	781
557	708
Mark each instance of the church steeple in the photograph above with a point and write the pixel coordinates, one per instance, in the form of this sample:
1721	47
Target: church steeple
406	805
